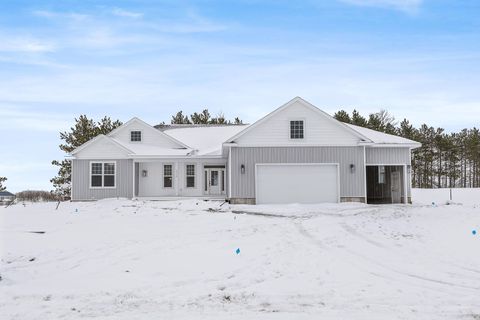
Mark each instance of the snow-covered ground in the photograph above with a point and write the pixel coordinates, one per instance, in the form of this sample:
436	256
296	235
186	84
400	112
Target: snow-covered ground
121	259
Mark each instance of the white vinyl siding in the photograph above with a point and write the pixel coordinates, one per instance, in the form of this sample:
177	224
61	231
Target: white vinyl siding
150	135
152	185
320	130
102	149
351	184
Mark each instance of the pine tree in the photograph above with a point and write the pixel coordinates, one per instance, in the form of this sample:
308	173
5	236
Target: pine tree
219	119
2	187
84	130
200	118
342	116
358	120
179	118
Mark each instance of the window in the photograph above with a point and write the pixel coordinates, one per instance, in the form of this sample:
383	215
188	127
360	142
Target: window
190	175
296	129
102	175
135	136
381	174
167	176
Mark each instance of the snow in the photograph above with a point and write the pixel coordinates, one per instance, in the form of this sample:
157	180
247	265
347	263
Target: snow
123	259
382	138
468	196
208	140
141	149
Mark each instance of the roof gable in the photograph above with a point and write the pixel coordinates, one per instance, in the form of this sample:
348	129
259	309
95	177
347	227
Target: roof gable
101	147
320	128
150	135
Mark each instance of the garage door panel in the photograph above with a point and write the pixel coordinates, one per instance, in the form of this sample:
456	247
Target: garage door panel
299	183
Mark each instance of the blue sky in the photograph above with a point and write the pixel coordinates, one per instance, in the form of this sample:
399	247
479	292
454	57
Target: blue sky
59	59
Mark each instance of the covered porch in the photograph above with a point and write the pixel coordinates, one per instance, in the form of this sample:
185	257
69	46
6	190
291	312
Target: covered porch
387	184
170	179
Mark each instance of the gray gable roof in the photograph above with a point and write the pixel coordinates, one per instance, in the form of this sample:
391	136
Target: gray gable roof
6	194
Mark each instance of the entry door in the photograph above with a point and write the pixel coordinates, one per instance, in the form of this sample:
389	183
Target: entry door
215	181
396	186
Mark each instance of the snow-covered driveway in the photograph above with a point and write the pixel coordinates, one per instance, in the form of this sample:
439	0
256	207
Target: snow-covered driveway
119	259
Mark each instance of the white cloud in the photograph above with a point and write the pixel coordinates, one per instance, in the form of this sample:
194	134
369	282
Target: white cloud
24	44
410	6
55	15
13	117
125	13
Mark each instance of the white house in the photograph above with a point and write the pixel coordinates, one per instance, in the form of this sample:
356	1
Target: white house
297	153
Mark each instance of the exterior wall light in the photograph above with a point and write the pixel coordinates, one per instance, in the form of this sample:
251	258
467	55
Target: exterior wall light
242	169
144	173
352	168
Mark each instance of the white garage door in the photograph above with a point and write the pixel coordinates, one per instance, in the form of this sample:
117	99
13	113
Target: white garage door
296	183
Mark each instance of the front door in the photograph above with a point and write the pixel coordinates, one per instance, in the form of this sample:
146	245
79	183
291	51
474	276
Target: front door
215	181
396	187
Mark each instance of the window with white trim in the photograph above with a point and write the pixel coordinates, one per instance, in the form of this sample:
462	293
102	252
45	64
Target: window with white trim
102	174
167	176
381	174
296	129
190	173
135	136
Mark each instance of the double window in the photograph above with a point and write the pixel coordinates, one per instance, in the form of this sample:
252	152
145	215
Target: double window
167	176
190	173
296	129
102	174
135	136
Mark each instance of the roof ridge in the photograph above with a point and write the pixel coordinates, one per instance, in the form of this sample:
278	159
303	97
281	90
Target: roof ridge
200	125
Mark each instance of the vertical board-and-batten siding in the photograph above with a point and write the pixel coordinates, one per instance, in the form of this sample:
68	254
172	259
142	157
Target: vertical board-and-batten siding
387	155
351	184
81	181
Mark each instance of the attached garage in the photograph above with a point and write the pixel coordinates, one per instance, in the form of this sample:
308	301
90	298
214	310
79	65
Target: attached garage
296	183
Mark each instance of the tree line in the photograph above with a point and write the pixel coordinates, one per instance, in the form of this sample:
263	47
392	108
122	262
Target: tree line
445	160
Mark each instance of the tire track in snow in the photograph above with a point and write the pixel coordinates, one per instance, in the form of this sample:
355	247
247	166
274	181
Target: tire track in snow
358	235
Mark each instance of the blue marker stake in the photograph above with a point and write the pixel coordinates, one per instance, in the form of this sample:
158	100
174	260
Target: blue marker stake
237	251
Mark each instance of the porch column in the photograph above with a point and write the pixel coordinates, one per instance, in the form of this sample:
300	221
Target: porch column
133	179
405	184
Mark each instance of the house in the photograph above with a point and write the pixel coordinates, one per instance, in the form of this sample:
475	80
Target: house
297	153
6	196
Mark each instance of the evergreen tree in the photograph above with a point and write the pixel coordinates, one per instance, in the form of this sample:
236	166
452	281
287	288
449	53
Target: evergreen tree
200	118
203	117
179	118
84	130
2	187
220	119
358	120
342	116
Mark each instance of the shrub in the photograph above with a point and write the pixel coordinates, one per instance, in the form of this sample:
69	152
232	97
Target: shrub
37	195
